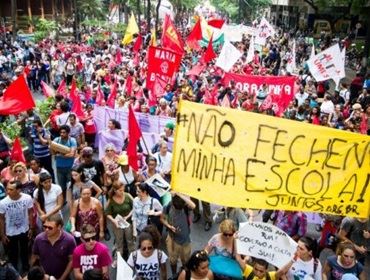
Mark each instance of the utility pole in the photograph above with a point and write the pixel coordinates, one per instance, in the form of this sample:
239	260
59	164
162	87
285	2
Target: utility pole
14	19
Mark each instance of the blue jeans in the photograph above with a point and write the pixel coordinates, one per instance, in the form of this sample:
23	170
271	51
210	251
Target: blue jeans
63	176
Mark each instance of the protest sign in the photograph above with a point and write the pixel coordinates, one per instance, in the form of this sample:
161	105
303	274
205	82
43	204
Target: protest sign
161	62
158	184
267	242
241	159
280	89
228	56
327	64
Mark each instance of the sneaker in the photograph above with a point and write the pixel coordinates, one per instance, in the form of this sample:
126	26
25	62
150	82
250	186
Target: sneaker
114	264
207	226
196	218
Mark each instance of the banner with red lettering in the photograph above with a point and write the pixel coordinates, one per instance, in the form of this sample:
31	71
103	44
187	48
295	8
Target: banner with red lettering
280	89
163	63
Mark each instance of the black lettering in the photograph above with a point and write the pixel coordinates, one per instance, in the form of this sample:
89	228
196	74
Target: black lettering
228	142
278	175
207	168
314	152
359	160
182	119
247	174
299	151
320	177
364	188
185	162
331	153
230	172
352	191
277	144
197	127
287	180
327	186
213	131
216	169
259	139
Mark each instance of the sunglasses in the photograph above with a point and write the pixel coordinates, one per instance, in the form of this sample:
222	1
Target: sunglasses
18	171
48	227
227	234
149	248
88	239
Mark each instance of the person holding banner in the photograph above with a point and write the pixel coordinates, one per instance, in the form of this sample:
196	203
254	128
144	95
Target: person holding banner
305	265
259	270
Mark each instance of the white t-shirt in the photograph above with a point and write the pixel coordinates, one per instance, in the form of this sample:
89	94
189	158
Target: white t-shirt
148	268
62	119
163	162
50	197
305	270
16	214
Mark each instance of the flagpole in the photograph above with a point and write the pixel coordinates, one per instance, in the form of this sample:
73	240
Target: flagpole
146	147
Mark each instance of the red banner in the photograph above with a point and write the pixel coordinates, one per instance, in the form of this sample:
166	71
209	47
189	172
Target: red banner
163	63
280	89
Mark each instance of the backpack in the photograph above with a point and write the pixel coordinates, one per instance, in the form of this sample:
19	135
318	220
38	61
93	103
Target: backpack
134	258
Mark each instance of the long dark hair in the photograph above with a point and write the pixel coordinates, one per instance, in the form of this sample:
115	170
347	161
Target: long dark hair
79	170
40	193
196	258
311	245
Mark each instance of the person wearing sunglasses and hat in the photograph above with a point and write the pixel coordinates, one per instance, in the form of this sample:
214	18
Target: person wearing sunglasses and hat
91	254
127	175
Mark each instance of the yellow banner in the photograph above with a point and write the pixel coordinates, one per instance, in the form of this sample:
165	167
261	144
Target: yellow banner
241	159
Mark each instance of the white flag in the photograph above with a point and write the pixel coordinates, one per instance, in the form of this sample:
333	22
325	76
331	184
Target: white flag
291	65
342	73
228	56
250	53
312	51
124	271
265	30
327	64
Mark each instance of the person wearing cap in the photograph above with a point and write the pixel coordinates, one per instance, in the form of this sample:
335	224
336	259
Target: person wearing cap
91	254
92	168
53	248
127	175
48	197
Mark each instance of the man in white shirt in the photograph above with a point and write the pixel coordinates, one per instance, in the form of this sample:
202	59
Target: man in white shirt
327	106
16	225
301	96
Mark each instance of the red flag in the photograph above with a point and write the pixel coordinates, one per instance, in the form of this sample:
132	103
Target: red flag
73	94
87	94
136	60
17	98
209	54
17	152
217	23
134	134
47	91
112	96
138	43
128	85
118	56
171	38
159	87
196	70
77	107
99	97
195	35
62	89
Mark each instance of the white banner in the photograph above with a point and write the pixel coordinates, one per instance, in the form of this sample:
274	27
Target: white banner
228	56
264	31
250	53
234	33
327	64
124	271
265	241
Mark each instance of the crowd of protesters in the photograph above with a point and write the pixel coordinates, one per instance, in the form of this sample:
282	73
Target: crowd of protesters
56	207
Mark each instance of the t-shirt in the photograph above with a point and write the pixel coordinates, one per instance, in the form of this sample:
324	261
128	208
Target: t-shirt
61	161
16	214
93	171
96	258
54	258
355	229
249	269
337	271
39	149
179	220
77	130
147	268
123	209
50	197
140	211
164	162
302	270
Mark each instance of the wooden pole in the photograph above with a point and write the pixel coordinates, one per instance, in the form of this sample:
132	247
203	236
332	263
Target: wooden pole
42	8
